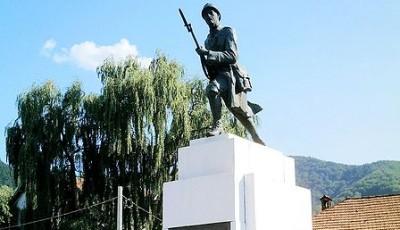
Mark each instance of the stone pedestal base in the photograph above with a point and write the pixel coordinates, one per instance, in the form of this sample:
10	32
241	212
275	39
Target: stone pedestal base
229	183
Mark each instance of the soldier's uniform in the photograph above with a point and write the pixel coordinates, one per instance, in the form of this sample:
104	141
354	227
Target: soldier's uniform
222	54
227	81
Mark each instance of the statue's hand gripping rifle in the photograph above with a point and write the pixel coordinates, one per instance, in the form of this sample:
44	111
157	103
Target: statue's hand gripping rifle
190	30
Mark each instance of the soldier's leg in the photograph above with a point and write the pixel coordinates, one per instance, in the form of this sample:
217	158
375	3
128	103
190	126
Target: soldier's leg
214	98
248	123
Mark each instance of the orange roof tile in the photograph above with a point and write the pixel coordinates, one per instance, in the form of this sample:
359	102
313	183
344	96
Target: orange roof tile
372	213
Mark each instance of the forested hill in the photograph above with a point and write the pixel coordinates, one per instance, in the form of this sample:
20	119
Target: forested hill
340	181
5	175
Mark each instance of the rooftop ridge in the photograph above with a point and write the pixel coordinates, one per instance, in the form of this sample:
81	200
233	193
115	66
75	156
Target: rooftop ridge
369	197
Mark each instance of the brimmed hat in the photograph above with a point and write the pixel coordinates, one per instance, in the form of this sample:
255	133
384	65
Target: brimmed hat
210	6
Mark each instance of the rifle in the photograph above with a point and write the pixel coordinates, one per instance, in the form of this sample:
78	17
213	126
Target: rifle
190	30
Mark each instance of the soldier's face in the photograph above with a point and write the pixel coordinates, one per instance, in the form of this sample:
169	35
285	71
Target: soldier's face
211	17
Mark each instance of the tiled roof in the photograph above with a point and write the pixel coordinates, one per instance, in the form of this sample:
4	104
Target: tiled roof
372	213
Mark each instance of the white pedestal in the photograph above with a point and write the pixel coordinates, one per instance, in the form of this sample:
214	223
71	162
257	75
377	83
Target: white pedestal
230	179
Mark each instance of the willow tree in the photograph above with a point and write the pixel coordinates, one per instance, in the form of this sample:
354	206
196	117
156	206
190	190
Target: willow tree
145	119
41	146
128	135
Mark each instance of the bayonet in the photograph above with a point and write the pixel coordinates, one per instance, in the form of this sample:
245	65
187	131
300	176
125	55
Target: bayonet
190	30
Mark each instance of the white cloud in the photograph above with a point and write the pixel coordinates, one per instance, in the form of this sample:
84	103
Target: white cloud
88	55
49	44
47	47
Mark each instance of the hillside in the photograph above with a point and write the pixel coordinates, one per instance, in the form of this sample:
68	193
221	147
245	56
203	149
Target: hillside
5	175
340	181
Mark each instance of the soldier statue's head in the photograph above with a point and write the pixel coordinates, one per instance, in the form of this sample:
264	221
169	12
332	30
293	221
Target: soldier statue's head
211	15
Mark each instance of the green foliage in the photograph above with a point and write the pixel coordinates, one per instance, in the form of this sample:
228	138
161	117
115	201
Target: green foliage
126	136
5	196
340	181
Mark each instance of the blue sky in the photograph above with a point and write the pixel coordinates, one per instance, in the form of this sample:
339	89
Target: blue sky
326	72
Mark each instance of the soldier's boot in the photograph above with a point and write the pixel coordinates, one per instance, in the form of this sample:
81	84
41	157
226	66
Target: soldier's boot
257	139
216	129
250	127
215	105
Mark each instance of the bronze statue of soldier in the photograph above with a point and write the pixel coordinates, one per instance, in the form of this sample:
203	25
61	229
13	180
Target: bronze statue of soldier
227	81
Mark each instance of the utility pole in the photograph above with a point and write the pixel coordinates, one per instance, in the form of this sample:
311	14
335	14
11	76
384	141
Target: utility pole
119	208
